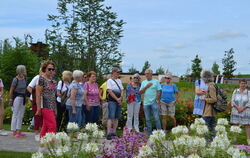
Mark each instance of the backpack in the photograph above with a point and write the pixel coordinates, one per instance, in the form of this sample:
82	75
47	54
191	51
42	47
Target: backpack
221	104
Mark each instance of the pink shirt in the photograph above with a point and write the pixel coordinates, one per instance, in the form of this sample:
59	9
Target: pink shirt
92	91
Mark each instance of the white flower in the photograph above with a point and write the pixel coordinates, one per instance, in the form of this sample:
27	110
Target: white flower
82	136
199	121
37	155
61	150
178	156
220	141
235	129
145	151
220	129
180	130
192	126
201	129
183	140
158	135
194	156
231	150
91	148
91	127
198	142
208	151
72	127
98	134
222	121
239	154
48	138
62	137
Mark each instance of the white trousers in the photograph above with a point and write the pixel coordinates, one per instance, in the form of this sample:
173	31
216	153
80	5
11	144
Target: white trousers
133	112
17	116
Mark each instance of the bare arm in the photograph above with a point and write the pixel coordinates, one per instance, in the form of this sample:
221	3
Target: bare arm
72	99
158	97
39	90
58	92
199	91
1	91
145	88
11	95
112	94
29	89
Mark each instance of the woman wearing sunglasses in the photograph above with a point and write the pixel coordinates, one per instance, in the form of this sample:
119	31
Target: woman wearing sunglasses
46	99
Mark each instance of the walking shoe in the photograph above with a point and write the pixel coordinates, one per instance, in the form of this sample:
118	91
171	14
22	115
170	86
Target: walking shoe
3	133
18	136
22	134
109	136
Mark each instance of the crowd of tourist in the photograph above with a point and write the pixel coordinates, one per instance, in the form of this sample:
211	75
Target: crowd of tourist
78	98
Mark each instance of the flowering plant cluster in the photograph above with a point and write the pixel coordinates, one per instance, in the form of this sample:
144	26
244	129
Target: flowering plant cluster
74	144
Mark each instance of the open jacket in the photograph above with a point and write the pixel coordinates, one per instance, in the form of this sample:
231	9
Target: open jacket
210	99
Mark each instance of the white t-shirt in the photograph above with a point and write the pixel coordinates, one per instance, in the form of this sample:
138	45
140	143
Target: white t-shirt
62	89
33	84
113	86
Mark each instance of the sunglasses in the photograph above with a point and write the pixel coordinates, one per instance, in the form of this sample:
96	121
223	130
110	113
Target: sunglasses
51	69
136	77
167	78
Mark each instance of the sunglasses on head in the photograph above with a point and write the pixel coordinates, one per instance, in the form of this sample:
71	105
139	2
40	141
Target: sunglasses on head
51	69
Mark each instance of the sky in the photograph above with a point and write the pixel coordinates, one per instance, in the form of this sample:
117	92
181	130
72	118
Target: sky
167	33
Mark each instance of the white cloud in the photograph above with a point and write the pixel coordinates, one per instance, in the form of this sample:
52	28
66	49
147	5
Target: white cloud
228	35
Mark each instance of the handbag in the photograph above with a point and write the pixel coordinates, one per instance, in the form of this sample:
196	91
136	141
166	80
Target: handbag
117	94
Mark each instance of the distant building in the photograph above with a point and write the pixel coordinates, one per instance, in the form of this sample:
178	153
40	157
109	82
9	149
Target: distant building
41	49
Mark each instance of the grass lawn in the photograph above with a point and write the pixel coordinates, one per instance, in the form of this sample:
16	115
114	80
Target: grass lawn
11	154
24	128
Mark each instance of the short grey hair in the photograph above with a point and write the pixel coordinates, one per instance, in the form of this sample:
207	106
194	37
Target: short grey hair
207	76
20	69
150	71
77	74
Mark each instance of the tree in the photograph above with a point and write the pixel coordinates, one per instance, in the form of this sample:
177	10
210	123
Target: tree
196	67
85	35
229	63
160	70
146	66
215	69
132	70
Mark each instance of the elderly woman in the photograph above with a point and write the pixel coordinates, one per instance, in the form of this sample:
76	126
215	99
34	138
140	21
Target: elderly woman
92	98
46	99
74	103
209	99
18	100
168	92
62	89
133	99
2	133
240	114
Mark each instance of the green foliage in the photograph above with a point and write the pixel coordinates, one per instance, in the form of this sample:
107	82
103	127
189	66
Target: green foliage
160	70
145	66
215	69
20	54
132	70
196	67
85	35
12	154
229	63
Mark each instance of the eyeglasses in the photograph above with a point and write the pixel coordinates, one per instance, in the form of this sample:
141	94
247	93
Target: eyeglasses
167	78
136	77
51	69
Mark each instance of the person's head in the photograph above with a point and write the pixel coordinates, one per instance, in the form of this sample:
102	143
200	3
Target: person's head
243	83
115	72
84	77
136	78
21	70
148	74
92	76
77	75
48	68
207	76
168	77
67	76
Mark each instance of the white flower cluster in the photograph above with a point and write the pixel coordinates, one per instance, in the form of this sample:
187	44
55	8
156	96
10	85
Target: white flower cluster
60	151
220	129
201	129
158	135
208	152
183	140
91	127
145	151
91	148
199	121
82	136
236	153
220	141
235	129
194	156
72	127
37	155
180	130
98	134
222	121
193	142
48	138
179	156
62	137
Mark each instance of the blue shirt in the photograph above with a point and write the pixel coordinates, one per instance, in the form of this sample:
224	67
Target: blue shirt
150	93
79	94
168	93
130	90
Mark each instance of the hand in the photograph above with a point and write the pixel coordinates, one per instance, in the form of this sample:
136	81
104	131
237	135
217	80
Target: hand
241	109
149	85
119	100
38	112
11	103
88	107
73	111
203	99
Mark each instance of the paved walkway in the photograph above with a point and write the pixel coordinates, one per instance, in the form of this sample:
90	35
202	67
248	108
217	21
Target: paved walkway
25	144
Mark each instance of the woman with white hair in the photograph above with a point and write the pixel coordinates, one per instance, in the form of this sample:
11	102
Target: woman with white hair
210	98
62	89
18	100
74	103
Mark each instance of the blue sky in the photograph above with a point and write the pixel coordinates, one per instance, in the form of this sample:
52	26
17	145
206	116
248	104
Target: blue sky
167	33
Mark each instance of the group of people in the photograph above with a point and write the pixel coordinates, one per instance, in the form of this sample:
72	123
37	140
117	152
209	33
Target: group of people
78	98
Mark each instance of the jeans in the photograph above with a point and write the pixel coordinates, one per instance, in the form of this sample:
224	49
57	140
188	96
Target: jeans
148	109
93	114
84	114
210	122
114	110
76	118
133	114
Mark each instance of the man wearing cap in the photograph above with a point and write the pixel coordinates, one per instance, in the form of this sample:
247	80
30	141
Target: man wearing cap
114	98
133	99
151	89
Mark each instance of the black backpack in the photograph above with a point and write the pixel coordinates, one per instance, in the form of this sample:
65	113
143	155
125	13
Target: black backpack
221	104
